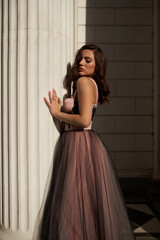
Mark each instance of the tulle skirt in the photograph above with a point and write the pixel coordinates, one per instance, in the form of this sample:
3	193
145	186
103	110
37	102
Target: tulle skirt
84	200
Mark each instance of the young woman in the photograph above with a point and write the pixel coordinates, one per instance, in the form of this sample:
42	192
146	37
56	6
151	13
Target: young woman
84	200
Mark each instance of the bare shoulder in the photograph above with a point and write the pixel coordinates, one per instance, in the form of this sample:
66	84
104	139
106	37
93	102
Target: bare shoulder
86	88
85	82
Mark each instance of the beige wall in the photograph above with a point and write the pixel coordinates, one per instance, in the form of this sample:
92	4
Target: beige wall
124	30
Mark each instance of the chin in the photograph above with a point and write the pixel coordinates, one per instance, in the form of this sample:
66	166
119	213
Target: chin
81	73
85	75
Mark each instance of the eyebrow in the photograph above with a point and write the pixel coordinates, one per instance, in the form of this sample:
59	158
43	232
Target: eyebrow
88	57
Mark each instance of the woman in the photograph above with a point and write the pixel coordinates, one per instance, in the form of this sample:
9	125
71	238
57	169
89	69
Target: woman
84	200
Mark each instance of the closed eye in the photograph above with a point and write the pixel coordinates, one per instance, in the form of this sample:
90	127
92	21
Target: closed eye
88	59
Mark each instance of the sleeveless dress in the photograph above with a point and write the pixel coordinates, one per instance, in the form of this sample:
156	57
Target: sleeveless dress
84	200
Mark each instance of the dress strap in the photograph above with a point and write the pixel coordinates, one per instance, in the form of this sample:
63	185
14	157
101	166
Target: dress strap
97	93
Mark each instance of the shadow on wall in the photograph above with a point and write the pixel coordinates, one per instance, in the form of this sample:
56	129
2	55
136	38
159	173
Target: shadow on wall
123	29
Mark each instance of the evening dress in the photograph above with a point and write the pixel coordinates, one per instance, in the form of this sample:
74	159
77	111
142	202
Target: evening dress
84	200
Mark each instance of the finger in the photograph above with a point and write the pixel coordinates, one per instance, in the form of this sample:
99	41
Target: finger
54	94
59	101
50	96
46	101
54	90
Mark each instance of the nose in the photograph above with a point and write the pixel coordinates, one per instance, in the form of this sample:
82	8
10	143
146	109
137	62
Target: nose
81	63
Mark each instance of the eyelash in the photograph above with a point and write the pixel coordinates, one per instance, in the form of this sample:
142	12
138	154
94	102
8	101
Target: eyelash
87	61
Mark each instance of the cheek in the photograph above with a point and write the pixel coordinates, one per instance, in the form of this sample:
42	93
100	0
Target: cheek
93	67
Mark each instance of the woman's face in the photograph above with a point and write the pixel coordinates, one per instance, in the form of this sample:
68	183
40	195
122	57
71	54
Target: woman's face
87	64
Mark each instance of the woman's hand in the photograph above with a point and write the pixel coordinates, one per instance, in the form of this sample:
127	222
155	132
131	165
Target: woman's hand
55	103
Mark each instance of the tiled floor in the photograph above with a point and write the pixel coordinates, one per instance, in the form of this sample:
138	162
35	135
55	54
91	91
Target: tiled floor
145	219
143	204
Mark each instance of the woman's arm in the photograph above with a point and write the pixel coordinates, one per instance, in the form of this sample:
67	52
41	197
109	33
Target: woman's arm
86	93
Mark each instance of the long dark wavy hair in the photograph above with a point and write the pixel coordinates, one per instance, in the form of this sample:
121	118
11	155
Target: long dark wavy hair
100	71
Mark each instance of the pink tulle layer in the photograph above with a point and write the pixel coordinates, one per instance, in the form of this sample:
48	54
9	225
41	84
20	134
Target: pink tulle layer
84	200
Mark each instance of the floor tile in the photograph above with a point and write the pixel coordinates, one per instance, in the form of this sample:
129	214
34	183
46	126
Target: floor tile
144	220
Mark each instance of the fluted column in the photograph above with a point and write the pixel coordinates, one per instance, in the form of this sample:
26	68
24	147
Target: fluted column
36	45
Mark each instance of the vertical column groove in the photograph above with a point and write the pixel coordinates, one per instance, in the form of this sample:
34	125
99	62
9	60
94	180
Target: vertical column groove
5	186
0	112
17	140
